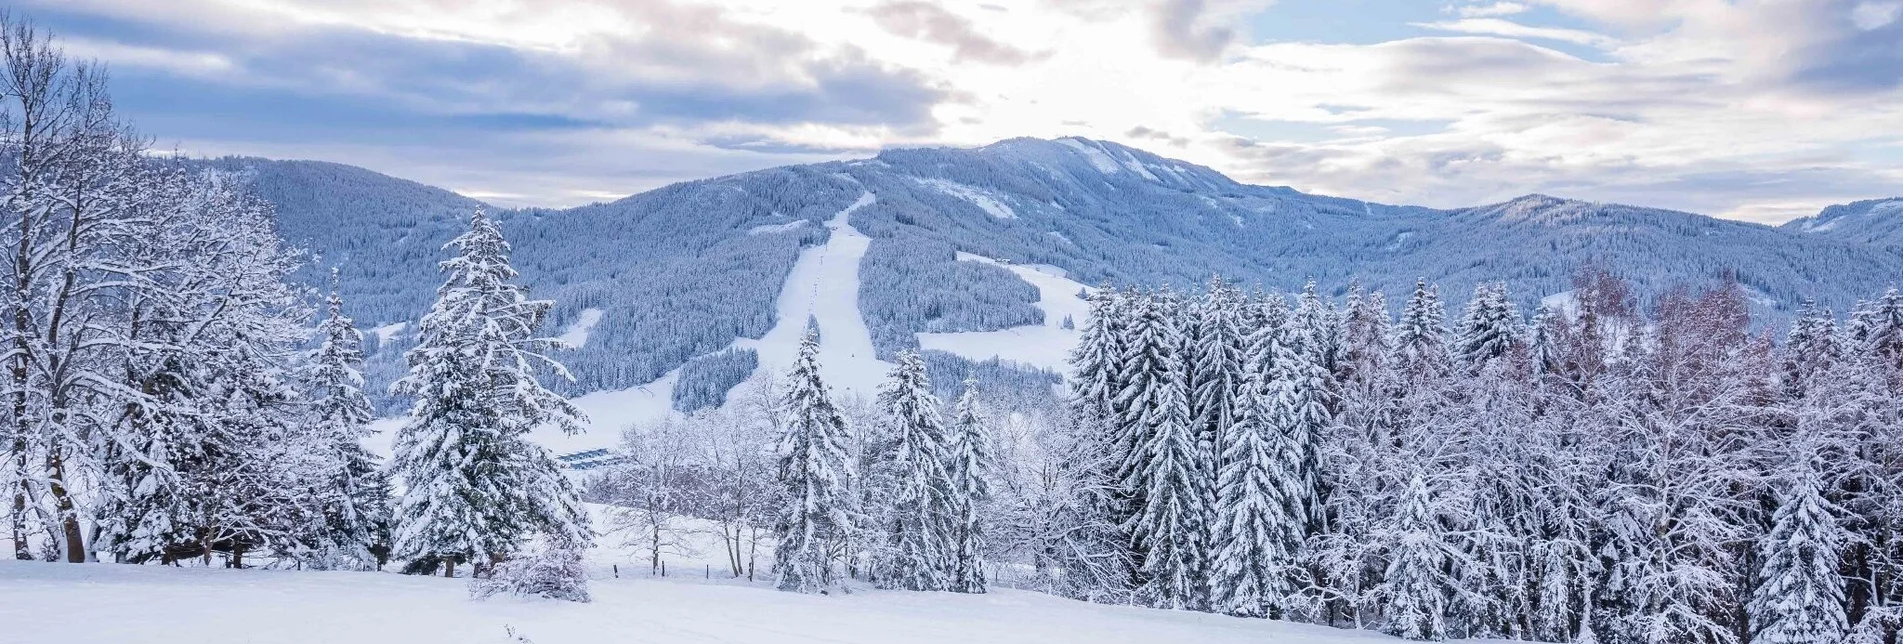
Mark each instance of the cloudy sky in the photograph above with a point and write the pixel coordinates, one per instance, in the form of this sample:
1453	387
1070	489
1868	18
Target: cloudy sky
1752	109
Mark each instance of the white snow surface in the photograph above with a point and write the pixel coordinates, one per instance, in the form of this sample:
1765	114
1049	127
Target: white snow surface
1047	345
576	335
125	604
1098	158
776	228
388	332
824	284
991	204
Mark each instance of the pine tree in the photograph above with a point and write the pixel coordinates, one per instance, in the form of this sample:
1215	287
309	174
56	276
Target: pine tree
1490	328
1800	596
1420	339
1260	517
1302	395
1171	526
972	465
354	497
1163	461
1415	584
1810	348
1097	360
816	476
475	486
1543	345
1216	362
918	550
1883	328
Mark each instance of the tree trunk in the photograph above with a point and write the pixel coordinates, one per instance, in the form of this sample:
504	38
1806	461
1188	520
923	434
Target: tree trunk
68	515
654	546
449	567
17	513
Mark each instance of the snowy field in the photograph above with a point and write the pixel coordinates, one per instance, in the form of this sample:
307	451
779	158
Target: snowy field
698	602
118	604
1044	345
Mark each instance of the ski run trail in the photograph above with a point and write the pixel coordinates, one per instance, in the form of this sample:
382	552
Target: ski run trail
823	286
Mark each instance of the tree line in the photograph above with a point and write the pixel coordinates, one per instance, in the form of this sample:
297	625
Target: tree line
1595	473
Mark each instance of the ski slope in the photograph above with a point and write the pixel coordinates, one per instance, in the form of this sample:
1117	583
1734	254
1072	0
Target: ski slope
824	284
1044	345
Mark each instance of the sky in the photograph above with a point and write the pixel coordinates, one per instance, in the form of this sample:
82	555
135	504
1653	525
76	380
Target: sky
1760	110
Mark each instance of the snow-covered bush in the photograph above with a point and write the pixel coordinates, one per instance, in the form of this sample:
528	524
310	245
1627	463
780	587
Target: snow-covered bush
554	573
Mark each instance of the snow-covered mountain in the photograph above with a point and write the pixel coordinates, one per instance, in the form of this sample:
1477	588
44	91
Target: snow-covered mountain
1876	221
980	252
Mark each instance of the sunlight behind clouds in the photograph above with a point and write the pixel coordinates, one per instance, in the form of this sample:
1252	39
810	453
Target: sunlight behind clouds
1712	106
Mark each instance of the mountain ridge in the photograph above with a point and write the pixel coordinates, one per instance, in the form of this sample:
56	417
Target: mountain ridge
683	270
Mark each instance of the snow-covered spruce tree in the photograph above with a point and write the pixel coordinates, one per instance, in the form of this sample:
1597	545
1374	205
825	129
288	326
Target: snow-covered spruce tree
476	488
972	465
1216	356
1319	325
1809	348
1260	516
816	477
1882	328
1097	360
1544	333
1415	588
1420	338
1800	596
353	494
917	551
1858	400
1304	394
1490	328
1094	551
1165	467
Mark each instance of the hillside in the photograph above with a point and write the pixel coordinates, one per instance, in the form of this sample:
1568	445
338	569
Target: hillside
648	283
1877	222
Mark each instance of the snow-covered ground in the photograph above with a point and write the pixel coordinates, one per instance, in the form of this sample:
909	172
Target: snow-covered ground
576	335
122	604
1045	345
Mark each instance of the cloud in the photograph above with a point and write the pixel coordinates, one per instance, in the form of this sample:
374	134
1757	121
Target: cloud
1144	133
1509	29
1488	10
934	24
1751	109
1182	28
1870	16
1865	55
